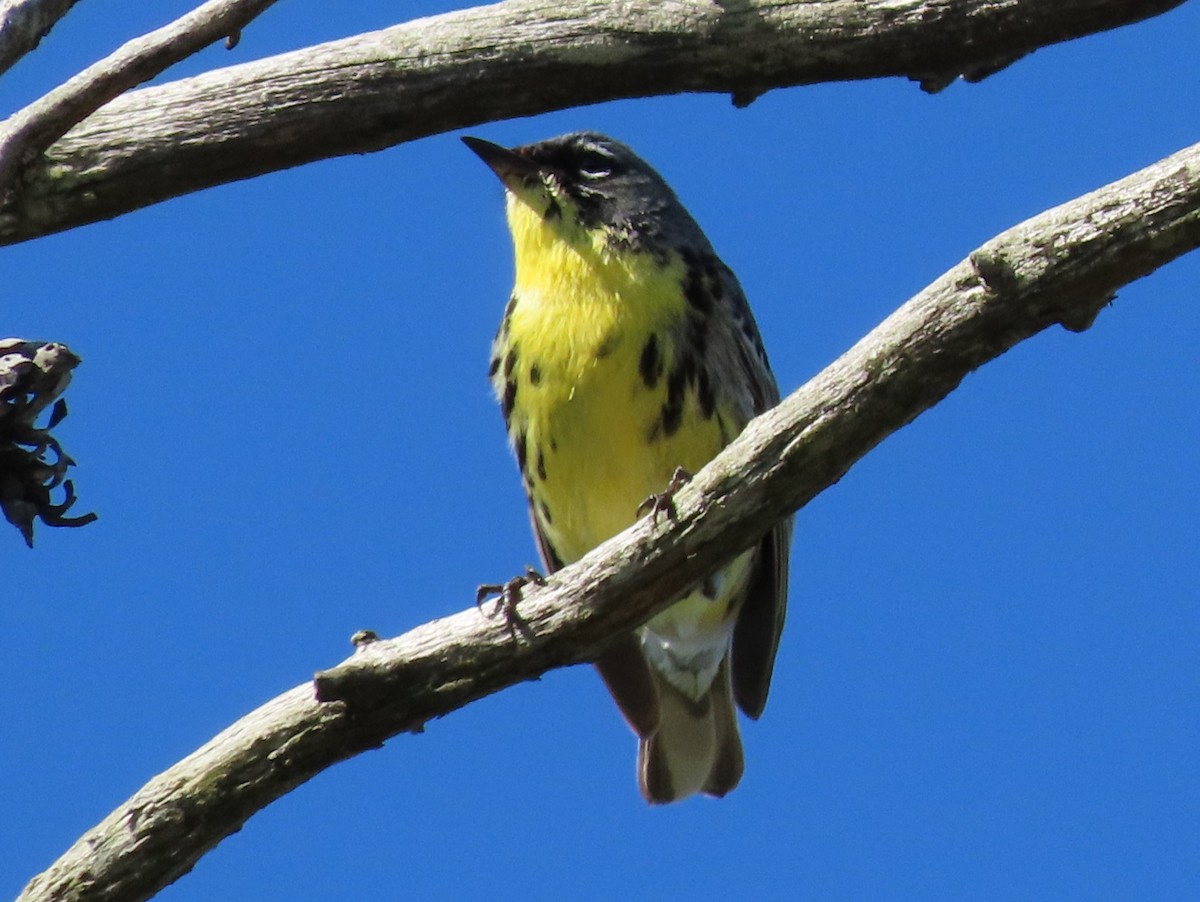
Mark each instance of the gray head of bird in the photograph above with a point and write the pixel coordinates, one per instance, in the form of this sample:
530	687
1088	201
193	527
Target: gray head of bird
590	181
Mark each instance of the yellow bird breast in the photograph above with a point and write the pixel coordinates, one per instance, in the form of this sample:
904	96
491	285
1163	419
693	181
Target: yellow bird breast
587	349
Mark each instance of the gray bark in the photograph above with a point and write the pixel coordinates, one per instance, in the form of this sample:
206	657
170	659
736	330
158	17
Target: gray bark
23	24
27	134
511	59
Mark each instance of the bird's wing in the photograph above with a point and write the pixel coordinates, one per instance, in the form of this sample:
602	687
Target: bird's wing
760	621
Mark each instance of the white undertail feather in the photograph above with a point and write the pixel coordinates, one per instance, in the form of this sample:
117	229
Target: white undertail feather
696	747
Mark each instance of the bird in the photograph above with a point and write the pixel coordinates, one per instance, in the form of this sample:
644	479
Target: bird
627	358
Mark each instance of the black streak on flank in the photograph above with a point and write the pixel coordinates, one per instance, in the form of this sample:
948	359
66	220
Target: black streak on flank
508	312
494	366
708	402
541	465
553	561
546	518
520	446
672	410
672	415
650	365
510	362
535	375
510	397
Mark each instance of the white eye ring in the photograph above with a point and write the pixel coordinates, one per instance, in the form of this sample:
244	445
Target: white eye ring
594	172
596	164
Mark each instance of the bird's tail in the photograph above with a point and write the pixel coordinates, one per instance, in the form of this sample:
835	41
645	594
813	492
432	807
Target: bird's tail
696	746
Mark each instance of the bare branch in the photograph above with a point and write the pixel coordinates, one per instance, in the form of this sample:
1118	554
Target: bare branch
1062	266
23	24
26	134
513	59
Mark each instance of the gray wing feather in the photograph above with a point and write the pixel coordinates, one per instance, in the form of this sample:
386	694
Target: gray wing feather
745	370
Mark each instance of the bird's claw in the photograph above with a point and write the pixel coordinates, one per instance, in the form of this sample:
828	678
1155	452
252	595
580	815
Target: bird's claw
508	594
664	502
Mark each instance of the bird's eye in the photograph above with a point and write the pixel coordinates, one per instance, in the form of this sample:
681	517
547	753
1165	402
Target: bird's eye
595	165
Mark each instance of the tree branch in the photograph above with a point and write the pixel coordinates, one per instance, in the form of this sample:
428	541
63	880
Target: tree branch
23	24
25	135
1062	266
512	59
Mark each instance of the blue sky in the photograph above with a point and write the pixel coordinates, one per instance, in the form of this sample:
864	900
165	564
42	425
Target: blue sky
988	685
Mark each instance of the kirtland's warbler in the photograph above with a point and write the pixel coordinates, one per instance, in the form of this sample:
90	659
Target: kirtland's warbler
627	351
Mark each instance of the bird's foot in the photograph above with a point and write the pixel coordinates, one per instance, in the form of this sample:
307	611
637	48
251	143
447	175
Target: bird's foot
664	502
508	594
